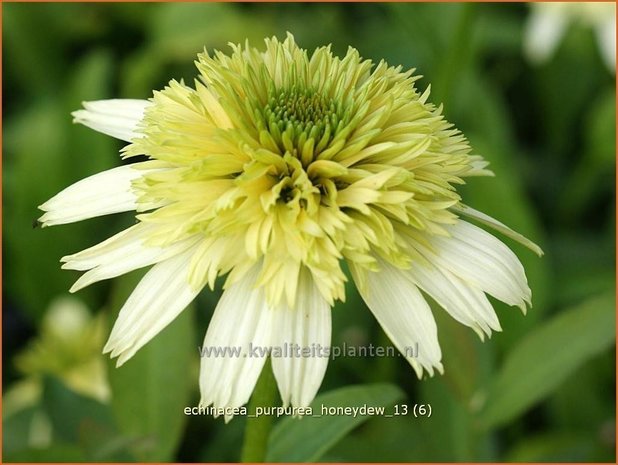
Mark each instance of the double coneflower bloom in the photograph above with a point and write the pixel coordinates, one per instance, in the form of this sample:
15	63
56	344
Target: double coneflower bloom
275	169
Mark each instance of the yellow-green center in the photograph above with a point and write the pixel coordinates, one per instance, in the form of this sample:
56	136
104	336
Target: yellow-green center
294	117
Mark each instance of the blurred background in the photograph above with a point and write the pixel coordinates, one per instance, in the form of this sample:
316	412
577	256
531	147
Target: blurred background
531	86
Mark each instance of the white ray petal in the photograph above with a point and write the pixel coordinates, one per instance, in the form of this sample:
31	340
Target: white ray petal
464	302
121	254
498	226
104	193
108	250
156	301
117	117
242	320
308	325
405	316
481	260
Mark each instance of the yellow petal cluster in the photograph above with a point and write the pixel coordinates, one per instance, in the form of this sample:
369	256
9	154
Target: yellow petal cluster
298	161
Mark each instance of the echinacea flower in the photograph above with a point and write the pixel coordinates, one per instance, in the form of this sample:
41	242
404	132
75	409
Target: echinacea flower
549	21
274	169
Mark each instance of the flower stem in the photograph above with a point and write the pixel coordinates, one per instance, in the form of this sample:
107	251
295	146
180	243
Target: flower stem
258	429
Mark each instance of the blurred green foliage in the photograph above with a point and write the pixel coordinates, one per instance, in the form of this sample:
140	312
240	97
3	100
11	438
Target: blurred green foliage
543	390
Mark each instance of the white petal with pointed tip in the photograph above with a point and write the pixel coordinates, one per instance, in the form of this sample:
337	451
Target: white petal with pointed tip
241	319
464	302
404	315
157	300
481	260
498	226
109	250
307	325
104	193
117	117
121	254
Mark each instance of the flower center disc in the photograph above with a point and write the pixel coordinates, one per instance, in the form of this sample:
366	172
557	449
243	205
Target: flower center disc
294	117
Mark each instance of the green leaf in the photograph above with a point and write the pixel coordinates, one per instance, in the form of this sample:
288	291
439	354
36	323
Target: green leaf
85	422
541	362
150	391
307	439
73	416
57	452
553	447
17	429
396	439
449	434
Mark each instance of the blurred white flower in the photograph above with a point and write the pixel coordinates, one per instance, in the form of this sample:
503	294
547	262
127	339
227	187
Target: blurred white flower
548	23
69	347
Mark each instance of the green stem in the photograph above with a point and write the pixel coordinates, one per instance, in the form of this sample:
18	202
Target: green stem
258	429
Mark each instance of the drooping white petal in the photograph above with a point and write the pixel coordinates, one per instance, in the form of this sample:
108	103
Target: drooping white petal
117	117
242	322
405	316
120	254
544	29
463	301
498	226
104	193
158	298
481	260
307	326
